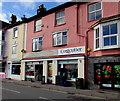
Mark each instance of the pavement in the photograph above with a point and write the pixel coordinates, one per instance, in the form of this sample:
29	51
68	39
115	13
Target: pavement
98	94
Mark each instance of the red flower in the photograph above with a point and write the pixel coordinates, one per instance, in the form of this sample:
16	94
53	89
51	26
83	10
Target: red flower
98	77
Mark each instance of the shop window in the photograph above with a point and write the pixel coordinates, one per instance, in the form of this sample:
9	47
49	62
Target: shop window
15	32
68	71
30	71
16	69
60	38
38	25
37	44
60	17
94	11
107	75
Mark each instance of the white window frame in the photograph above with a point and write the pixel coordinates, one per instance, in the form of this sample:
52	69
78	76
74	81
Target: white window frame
37	42
59	18
38	27
102	47
95	11
14	55
15	34
61	37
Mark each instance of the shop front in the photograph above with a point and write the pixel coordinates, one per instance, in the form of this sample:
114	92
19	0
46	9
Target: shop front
33	71
14	70
104	72
63	65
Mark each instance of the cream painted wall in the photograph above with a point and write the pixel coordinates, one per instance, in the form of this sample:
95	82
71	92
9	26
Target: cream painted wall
19	40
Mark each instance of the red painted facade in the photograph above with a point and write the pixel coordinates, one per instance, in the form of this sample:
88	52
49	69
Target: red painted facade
74	38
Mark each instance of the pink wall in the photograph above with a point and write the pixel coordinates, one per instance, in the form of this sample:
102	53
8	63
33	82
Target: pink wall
74	39
49	20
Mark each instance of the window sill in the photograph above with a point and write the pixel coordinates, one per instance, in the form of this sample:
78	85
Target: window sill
59	45
95	20
37	31
107	48
37	50
60	25
15	37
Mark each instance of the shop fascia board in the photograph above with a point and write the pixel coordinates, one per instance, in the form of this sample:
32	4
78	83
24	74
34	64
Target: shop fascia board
65	58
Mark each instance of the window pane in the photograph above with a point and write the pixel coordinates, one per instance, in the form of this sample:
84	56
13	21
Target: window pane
97	33
64	40
97	43
98	6
114	40
106	41
98	14
105	30
113	28
59	39
91	16
54	39
38	22
40	43
14	49
91	7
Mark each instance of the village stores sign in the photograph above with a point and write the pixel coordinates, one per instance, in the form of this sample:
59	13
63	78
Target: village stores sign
74	50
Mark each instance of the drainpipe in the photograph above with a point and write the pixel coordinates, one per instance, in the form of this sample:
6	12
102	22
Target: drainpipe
86	58
77	23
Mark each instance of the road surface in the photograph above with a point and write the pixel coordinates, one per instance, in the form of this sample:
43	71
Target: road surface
12	92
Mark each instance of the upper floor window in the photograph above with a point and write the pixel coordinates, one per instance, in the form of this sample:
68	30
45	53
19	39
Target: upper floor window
38	25
37	43
94	11
60	17
60	38
106	36
15	32
97	38
110	34
14	48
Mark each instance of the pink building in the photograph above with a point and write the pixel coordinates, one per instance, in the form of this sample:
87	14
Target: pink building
59	42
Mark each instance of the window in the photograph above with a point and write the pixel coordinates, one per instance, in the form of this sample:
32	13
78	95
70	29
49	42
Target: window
60	38
2	38
15	32
37	44
38	25
110	34
14	48
60	18
16	69
94	11
106	36
97	38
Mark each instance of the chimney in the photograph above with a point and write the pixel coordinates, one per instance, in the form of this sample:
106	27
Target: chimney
13	19
41	9
23	18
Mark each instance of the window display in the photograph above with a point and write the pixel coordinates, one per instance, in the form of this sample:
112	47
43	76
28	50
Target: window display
29	71
107	75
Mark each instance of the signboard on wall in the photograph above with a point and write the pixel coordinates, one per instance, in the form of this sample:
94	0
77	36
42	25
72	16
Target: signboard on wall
74	50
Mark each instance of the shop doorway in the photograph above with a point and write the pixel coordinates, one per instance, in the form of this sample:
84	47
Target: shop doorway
38	72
